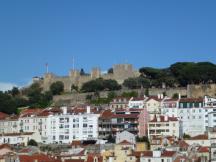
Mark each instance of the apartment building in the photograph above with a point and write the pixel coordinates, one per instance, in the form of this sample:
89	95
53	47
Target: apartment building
164	126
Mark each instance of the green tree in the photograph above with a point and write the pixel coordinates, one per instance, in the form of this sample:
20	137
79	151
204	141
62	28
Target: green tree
57	88
74	88
110	71
129	94
111	95
7	103
100	85
32	142
186	136
135	83
175	96
15	91
111	139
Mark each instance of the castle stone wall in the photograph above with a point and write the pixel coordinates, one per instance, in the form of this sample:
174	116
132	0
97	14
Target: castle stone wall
201	90
120	73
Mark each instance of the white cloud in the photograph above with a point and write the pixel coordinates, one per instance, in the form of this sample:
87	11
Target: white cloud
7	86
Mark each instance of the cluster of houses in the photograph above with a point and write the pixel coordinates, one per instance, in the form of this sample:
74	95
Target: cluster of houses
177	129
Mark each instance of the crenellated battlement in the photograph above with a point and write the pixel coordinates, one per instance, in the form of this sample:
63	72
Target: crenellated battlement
120	73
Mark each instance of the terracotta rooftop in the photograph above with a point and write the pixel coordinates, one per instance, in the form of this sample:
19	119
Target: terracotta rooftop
91	157
183	144
163	153
203	149
37	157
106	114
125	142
3	116
199	137
171	100
191	100
74	160
125	115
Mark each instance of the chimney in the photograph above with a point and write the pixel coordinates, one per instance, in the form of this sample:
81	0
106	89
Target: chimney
179	96
64	109
162	96
165	118
88	109
157	153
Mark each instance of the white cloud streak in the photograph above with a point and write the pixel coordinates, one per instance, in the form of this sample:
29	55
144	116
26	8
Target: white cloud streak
7	86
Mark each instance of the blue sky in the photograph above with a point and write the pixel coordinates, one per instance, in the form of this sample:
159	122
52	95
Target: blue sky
101	33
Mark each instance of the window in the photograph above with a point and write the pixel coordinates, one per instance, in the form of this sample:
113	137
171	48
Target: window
149	160
85	125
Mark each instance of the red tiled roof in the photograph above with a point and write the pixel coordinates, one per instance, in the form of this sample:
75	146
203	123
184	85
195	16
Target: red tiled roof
163	153
200	137
3	116
171	100
38	157
183	144
125	142
91	157
5	146
162	119
138	99
191	100
106	114
203	149
125	115
74	160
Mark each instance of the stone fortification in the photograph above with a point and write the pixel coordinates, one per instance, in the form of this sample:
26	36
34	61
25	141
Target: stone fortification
201	90
120	73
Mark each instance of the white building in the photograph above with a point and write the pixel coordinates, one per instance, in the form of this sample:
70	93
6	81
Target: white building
158	156
127	136
135	102
9	124
66	127
170	107
18	138
152	103
164	126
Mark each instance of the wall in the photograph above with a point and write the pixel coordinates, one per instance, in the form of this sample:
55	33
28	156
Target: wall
201	90
120	73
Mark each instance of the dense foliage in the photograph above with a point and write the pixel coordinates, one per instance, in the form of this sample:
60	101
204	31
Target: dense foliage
57	88
37	98
135	83
180	74
32	142
32	96
100	85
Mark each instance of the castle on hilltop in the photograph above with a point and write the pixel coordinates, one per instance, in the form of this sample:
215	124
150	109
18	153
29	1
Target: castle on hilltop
120	73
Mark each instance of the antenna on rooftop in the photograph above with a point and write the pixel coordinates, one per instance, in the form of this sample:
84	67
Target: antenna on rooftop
73	63
47	68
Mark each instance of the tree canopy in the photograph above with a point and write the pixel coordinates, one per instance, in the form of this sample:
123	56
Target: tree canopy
181	74
100	85
135	83
57	88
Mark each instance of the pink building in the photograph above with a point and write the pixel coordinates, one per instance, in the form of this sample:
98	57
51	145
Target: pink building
143	123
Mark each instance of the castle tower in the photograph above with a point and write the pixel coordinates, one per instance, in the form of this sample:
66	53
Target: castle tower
95	73
122	72
74	76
